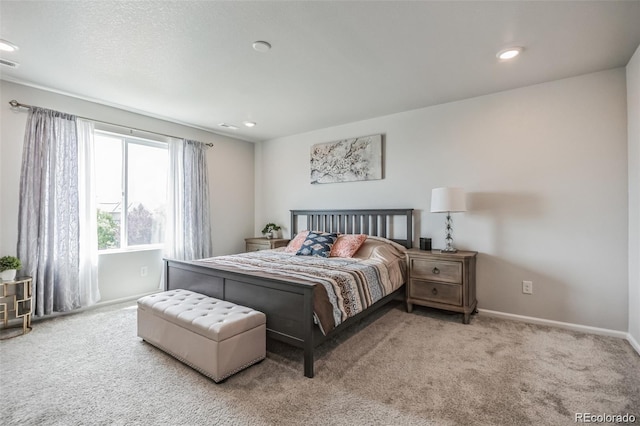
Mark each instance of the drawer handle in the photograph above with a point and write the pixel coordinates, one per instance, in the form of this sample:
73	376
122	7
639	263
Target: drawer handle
436	271
434	291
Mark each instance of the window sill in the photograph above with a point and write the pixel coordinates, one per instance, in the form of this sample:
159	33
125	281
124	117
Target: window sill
154	247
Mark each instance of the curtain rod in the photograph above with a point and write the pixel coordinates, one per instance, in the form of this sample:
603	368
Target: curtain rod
16	104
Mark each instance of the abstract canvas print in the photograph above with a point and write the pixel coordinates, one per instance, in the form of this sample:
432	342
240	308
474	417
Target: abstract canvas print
347	160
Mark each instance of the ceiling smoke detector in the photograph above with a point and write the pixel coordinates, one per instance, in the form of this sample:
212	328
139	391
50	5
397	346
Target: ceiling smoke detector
261	46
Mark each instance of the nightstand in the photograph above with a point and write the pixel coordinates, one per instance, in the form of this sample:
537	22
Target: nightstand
442	280
261	243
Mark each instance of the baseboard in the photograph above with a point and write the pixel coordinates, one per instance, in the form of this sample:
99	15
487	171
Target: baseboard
559	324
88	308
121	300
633	342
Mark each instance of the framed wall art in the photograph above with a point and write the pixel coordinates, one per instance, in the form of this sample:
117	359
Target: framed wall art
347	160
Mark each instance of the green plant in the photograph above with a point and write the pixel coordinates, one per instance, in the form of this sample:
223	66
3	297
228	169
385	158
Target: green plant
270	227
108	231
9	262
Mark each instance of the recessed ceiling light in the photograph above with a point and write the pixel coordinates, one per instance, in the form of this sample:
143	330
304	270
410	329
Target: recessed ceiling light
7	46
261	46
249	123
509	53
228	126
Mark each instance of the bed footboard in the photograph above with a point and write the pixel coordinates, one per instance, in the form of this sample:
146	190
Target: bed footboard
287	305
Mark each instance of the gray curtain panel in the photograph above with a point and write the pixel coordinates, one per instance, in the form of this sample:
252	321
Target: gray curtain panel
48	223
197	225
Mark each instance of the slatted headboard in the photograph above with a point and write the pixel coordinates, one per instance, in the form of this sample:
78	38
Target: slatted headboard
379	222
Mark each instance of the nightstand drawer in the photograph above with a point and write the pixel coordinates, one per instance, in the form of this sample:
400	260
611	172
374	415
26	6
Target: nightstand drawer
256	244
450	294
256	247
437	270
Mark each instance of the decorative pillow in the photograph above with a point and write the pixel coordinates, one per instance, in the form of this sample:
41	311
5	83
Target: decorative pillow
381	249
317	244
347	245
295	244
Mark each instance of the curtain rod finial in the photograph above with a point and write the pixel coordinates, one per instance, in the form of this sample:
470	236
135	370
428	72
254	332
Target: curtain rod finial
14	103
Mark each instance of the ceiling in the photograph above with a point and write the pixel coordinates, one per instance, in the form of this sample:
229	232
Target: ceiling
331	63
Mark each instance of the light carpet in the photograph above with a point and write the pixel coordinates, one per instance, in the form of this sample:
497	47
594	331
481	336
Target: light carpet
394	368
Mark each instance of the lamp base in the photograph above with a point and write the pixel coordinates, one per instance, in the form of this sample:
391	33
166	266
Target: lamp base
449	240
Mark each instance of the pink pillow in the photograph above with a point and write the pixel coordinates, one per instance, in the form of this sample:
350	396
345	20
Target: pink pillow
295	244
347	245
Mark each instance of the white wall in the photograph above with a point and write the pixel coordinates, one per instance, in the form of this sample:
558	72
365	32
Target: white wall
119	274
231	181
633	123
545	167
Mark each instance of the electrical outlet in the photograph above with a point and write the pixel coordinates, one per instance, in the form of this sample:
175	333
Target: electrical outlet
144	271
527	287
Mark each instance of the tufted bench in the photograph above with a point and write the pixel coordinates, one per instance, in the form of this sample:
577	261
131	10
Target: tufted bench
215	337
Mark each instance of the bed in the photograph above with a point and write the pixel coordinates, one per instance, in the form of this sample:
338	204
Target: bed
288	301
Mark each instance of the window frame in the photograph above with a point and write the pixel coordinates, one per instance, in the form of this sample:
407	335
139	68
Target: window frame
125	141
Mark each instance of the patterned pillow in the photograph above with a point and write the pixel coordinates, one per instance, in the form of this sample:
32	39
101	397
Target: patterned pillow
347	245
317	244
295	244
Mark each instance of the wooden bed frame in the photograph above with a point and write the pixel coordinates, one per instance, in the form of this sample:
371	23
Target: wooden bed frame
288	304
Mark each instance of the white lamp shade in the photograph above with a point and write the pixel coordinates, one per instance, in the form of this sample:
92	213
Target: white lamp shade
448	200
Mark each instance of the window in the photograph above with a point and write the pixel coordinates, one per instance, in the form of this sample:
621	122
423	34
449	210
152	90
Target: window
131	191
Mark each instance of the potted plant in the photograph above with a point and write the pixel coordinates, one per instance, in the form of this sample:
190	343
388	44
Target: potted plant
8	267
270	230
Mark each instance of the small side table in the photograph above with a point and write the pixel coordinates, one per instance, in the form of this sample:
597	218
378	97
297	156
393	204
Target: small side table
442	280
15	303
255	244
